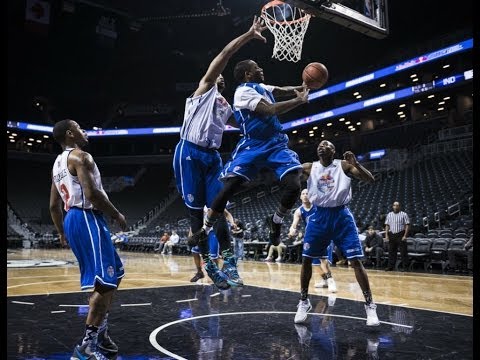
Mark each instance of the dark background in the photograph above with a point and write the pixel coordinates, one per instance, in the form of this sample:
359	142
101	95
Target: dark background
75	72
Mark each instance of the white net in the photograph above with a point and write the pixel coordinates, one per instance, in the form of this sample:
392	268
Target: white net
288	24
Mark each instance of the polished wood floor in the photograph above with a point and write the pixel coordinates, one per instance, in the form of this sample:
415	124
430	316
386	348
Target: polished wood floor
438	292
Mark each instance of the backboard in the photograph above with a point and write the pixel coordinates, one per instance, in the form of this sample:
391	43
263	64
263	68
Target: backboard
370	17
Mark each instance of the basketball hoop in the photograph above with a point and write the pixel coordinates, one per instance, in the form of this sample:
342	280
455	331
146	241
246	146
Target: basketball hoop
288	24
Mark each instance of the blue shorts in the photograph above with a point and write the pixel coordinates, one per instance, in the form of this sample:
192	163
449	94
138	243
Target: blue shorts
332	224
89	238
197	171
250	155
213	247
328	255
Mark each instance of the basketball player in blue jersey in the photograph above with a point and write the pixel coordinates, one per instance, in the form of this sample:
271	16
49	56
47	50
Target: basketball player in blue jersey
302	213
197	163
329	189
77	185
264	144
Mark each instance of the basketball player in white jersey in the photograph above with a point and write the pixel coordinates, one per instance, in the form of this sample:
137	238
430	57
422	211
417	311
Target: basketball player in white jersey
197	163
303	212
77	187
213	247
329	189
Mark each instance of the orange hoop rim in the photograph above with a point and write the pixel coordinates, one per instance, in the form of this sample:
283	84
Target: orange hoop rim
273	3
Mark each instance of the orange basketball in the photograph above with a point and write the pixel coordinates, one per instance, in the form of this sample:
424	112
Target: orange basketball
315	75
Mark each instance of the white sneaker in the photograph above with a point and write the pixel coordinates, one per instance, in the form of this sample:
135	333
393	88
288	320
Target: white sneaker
331	299
303	308
278	259
332	287
304	335
321	284
372	318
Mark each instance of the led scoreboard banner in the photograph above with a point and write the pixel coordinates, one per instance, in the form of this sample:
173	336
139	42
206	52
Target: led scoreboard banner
420	88
393	69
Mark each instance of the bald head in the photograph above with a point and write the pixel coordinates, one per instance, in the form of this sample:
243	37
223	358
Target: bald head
396	207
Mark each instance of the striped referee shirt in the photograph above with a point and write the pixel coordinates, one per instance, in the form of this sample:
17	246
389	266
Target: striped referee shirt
397	221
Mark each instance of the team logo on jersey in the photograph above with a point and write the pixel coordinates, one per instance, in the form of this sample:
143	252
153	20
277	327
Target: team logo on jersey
236	168
306	246
110	271
326	183
188	158
190	197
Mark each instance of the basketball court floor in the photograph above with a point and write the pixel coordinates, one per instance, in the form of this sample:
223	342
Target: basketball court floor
159	314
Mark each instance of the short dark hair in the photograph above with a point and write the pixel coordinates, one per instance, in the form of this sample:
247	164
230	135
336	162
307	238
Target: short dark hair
60	129
240	69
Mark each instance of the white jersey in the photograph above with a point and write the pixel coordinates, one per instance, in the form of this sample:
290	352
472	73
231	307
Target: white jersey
68	185
205	118
329	186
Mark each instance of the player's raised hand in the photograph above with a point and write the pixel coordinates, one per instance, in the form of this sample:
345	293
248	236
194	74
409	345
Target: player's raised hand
350	158
303	95
257	27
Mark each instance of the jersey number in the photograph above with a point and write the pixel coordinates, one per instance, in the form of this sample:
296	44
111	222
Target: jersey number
66	195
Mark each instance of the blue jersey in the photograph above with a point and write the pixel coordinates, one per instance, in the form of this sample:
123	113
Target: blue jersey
305	214
253	125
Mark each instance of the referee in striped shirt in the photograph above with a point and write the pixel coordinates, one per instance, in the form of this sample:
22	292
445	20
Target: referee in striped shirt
397	226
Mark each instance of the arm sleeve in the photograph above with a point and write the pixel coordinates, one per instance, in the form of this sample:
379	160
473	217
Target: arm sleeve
407	219
248	98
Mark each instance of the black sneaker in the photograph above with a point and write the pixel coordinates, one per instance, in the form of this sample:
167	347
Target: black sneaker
106	343
199	275
198	238
274	230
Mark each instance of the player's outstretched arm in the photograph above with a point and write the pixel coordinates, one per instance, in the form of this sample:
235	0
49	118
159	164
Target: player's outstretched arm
281	107
219	63
296	219
287	91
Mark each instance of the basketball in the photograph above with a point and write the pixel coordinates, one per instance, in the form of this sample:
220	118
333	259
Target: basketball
315	75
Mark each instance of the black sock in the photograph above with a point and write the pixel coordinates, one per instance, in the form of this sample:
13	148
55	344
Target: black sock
328	275
91	334
368	297
324	276
304	294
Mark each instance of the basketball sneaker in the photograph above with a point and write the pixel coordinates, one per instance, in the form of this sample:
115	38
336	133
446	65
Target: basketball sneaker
198	238
219	278
105	342
332	286
230	269
87	351
303	308
199	275
304	335
372	318
273	230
